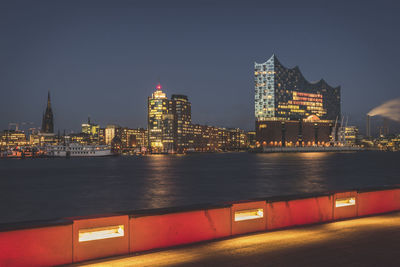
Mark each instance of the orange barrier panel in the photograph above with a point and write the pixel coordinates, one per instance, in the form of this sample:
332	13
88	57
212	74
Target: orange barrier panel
248	217
287	213
149	231
345	205
374	202
98	237
37	244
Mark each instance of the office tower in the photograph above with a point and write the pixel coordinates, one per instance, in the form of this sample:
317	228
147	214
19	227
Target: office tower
160	122
182	122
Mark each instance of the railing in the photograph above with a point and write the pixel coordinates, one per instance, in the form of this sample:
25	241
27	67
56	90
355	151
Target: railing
70	240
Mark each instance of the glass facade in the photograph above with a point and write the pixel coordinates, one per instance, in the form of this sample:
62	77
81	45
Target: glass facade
182	123
284	94
160	122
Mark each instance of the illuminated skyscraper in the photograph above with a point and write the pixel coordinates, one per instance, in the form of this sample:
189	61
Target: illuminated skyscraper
289	110
160	122
47	122
182	122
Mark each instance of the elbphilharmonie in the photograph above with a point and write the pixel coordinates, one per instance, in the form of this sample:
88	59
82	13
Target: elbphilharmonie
291	111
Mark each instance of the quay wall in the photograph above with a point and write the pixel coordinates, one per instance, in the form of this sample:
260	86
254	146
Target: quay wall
76	239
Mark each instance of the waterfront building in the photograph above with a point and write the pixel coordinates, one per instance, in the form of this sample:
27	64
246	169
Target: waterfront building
182	122
111	131
251	139
42	139
47	122
351	135
211	139
237	139
80	138
102	136
160	122
289	110
12	138
205	138
92	130
170	128
133	138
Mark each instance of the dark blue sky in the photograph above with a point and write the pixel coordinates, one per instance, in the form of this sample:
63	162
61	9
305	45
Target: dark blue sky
103	58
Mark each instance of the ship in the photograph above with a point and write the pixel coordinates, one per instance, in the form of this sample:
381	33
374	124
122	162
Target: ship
78	150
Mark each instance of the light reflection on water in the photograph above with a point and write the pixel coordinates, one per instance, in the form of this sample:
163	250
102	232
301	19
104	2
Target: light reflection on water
160	189
51	188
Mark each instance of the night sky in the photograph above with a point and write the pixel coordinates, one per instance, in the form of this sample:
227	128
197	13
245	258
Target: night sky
104	58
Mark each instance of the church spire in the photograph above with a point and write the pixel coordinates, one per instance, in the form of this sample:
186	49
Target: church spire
47	123
48	100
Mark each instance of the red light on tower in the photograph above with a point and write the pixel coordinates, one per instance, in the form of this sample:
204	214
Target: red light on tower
158	87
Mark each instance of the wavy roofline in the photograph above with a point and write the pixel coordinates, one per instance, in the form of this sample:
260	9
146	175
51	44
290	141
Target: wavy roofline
296	68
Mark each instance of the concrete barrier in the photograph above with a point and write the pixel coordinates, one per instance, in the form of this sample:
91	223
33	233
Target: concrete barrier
170	227
248	217
378	200
100	236
47	243
42	243
293	211
345	205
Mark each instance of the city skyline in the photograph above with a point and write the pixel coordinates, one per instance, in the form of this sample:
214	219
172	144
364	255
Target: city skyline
104	65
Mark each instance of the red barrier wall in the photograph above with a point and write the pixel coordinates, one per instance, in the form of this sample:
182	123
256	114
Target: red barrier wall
375	202
45	246
102	247
297	212
49	243
345	211
157	231
248	226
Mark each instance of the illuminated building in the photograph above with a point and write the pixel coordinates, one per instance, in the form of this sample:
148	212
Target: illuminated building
81	138
47	122
351	135
182	122
12	138
92	130
289	110
102	136
170	128
111	131
205	138
237	139
251	139
211	139
160	122
133	138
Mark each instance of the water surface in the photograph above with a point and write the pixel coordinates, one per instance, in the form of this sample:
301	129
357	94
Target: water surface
32	189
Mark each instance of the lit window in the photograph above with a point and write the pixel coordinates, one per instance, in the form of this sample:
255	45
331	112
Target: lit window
243	215
342	202
101	233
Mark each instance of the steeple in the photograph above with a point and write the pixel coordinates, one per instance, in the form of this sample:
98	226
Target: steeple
47	123
48	100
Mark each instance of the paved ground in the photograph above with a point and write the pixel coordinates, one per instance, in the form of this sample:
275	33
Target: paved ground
371	241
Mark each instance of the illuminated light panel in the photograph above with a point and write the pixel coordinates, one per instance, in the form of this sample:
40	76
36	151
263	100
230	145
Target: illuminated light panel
101	233
243	215
342	202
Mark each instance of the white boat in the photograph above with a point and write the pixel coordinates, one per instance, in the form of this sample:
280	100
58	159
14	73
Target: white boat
78	150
